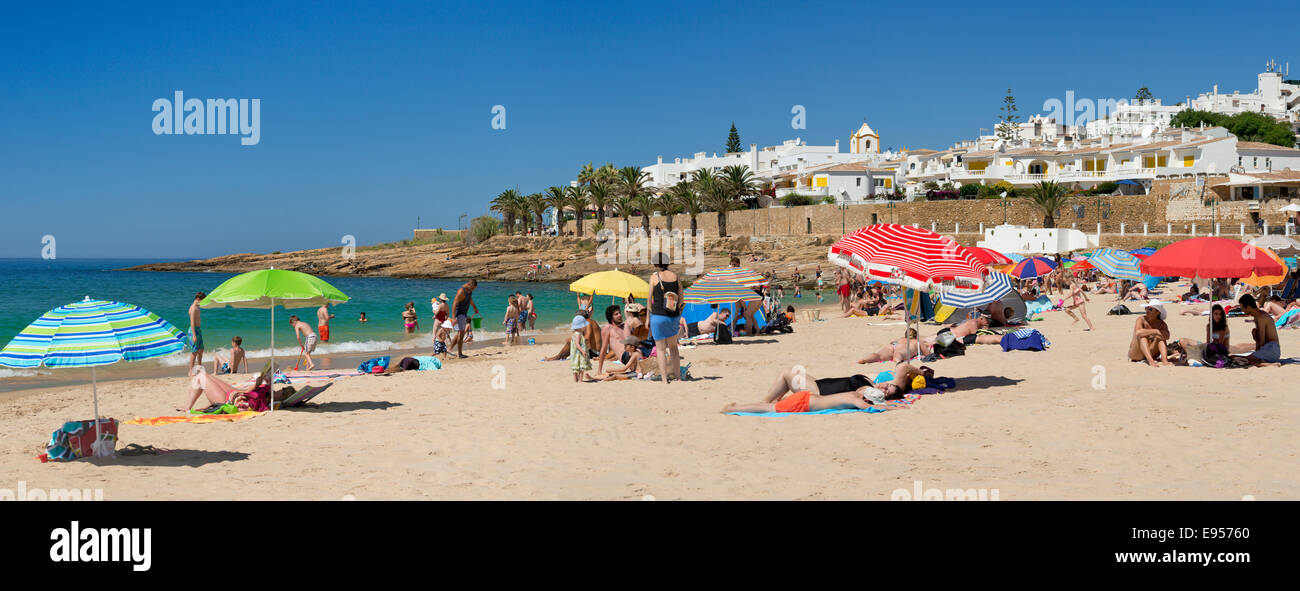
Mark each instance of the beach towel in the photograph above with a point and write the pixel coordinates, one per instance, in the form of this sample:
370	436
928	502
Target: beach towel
428	362
906	400
1289	319
201	418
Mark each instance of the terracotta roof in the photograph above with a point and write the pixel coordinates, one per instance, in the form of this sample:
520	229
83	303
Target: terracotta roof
1264	146
1277	175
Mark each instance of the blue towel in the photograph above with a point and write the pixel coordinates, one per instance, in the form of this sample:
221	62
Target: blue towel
835	411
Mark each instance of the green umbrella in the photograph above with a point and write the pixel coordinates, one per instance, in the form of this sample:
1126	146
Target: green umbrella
269	288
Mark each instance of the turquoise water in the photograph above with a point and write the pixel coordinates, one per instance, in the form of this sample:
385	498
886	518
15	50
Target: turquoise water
32	287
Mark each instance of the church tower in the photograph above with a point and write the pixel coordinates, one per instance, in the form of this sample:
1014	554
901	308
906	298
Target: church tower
864	141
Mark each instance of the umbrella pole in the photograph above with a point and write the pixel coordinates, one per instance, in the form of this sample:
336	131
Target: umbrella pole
272	354
94	393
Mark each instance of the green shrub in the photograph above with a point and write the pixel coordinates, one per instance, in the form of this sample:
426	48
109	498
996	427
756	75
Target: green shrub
795	199
830	200
970	190
482	228
1104	189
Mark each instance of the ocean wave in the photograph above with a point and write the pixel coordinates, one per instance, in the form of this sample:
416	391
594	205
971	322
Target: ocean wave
21	373
321	349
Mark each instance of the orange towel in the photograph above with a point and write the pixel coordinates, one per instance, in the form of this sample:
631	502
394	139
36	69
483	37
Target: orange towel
248	414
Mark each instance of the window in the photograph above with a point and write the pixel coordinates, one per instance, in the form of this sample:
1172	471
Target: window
859	182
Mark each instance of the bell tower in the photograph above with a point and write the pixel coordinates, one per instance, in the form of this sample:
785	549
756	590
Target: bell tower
864	141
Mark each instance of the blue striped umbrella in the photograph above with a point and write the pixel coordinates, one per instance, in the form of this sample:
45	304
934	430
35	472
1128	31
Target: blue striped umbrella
1145	251
1015	257
1117	263
997	286
91	333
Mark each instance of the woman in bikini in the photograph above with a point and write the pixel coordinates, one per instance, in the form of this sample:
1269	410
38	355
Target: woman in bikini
409	318
1078	299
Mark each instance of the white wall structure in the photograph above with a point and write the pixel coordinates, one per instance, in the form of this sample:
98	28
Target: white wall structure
1132	121
1273	97
1026	240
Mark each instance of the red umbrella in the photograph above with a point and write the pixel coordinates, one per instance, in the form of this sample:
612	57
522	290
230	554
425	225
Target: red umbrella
1210	257
909	256
988	256
1032	268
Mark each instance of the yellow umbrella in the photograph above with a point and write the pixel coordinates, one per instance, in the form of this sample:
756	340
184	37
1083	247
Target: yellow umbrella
1257	281
612	283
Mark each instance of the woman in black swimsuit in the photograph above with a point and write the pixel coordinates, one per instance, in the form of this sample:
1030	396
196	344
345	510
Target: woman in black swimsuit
665	312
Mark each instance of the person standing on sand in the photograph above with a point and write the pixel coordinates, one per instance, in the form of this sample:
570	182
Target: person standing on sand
306	339
665	308
323	322
196	332
532	314
842	288
460	306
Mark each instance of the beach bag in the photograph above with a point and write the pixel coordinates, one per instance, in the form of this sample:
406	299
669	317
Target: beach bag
722	336
1025	339
952	349
370	365
76	439
1119	310
1215	355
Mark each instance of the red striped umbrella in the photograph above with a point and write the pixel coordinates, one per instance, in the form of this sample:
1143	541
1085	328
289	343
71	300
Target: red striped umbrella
909	256
988	256
1032	267
1210	257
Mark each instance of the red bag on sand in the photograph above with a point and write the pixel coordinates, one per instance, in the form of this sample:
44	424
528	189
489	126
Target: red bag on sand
83	442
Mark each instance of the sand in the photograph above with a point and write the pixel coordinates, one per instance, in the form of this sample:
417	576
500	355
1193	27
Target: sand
1021	425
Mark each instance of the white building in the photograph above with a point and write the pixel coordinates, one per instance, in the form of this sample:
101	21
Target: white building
1273	97
1133	121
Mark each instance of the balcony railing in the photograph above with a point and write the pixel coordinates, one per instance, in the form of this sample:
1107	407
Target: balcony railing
809	191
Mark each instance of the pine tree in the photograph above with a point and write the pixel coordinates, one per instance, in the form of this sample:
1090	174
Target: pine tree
733	139
1008	127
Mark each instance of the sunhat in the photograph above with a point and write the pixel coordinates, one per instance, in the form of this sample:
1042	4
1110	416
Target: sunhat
443	296
579	323
1158	306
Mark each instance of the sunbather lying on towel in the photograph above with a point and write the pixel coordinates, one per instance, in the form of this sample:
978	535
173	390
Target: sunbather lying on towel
796	391
218	392
967	331
902	349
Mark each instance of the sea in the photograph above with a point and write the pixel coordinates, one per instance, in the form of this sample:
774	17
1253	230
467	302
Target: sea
32	287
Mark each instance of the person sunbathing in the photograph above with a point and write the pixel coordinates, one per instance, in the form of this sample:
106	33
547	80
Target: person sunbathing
218	392
905	348
1275	308
1137	292
966	331
1150	336
796	391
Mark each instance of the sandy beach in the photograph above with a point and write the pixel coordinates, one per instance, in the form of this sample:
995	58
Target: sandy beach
503	425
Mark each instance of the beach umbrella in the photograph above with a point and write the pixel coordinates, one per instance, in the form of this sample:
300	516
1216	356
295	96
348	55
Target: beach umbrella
1076	266
1210	257
612	283
718	291
1117	264
1256	280
1291	207
1145	251
1276	243
267	288
995	287
91	333
1015	258
1032	268
741	275
908	256
988	256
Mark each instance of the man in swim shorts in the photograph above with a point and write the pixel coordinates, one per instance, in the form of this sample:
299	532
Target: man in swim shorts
460	307
1268	350
323	317
196	332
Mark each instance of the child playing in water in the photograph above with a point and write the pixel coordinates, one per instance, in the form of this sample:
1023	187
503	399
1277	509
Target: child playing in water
512	321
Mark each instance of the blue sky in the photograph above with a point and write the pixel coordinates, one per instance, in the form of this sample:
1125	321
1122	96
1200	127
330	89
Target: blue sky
372	116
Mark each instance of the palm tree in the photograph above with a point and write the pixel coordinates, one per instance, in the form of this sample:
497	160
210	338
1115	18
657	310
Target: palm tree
740	182
606	174
666	204
587	174
715	196
576	197
623	206
510	204
600	194
688	199
536	205
1049	197
558	197
631	183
